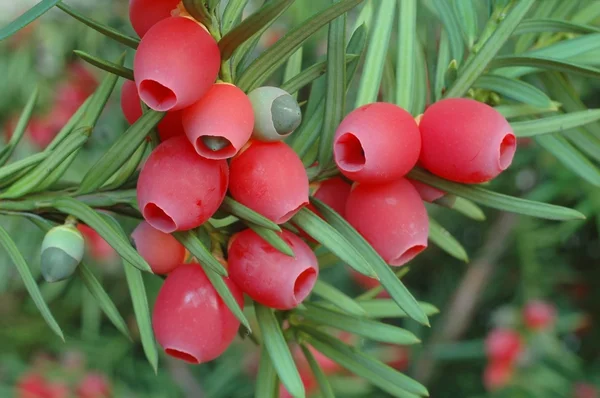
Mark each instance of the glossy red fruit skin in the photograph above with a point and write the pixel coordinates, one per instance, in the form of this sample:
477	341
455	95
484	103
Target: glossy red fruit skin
96	246
503	345
539	315
31	385
179	190
391	217
269	276
190	320
170	126
497	374
175	64
270	179
224	111
466	141
334	192
377	143
144	14
162	251
428	193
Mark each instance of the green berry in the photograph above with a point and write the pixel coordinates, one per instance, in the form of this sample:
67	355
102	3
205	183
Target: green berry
276	113
62	251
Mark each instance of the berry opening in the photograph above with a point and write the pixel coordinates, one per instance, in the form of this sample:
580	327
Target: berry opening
158	218
157	96
304	284
214	147
286	217
408	255
184	356
349	152
507	150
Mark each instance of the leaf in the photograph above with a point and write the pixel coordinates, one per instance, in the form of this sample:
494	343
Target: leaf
31	182
278	351
338	298
69	126
356	45
466	13
10	170
469	209
29	281
512	111
388	280
406	54
293	67
367	328
28	17
376	52
96	222
128	169
475	66
445	241
97	26
497	200
587	13
102	298
552	26
443	60
363	365
325	234
20	128
237	209
106	65
119	152
335	91
570	157
266	379
555	124
545	63
268	62
386	308
515	89
273	239
421	89
309	75
198	250
233	13
543	10
447	16
324	386
251	25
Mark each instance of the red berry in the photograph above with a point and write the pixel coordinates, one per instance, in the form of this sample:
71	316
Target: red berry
465	141
169	126
59	389
221	123
162	251
269	276
539	315
175	64
97	247
497	374
391	217
191	322
94	385
270	179
334	193
144	14
585	390
31	385
179	190
503	345
376	143
427	192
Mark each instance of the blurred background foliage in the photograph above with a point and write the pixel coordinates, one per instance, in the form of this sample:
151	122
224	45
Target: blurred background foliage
512	259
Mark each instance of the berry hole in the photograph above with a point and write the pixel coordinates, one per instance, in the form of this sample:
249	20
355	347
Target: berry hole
304	284
408	255
508	147
157	96
349	152
158	218
184	356
286	217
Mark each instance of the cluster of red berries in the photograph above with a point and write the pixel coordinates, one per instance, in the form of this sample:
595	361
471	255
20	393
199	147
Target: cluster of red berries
49	378
505	346
215	139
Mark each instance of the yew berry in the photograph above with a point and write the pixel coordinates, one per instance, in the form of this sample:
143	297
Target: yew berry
96	246
175	64
503	345
31	385
276	113
539	315
190	321
60	389
177	189
334	193
162	251
144	14
270	179
466	141
427	192
62	251
497	374
377	143
269	276
221	123
391	217
585	390
94	385
169	126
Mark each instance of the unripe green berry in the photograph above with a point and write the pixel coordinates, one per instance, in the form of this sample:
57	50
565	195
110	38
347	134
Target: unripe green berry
276	113
62	251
